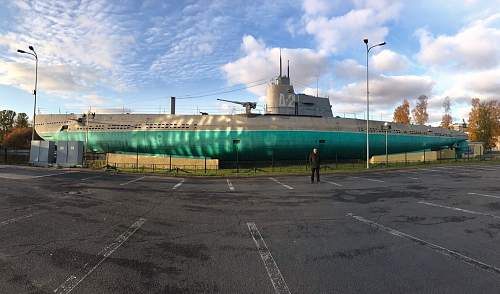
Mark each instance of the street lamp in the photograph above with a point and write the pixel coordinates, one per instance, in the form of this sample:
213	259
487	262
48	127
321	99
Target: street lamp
36	81
368	103
387	127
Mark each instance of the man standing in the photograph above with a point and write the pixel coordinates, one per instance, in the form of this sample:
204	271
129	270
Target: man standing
314	161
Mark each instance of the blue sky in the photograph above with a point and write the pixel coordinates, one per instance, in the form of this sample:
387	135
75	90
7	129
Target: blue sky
134	55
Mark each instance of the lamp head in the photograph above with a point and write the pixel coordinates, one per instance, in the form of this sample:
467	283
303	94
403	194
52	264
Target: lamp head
365	40
381	44
21	51
31	48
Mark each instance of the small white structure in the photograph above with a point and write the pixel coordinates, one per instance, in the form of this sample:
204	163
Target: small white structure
42	152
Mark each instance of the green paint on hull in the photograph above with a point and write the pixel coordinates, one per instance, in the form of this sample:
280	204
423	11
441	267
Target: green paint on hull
253	145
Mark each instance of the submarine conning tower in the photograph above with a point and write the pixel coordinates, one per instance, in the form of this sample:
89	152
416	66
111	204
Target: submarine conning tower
282	100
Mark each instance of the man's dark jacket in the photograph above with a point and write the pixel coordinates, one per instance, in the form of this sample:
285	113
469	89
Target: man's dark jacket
314	160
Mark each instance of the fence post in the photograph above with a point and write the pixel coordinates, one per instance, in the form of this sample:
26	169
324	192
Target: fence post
272	161
205	164
170	167
137	158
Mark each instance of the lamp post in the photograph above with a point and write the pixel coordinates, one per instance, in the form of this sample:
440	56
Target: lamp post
36	82
387	127
368	48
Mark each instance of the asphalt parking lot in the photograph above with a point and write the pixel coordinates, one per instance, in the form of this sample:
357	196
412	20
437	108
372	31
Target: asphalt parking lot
421	230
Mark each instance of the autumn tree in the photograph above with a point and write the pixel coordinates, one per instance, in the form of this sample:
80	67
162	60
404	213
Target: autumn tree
420	115
402	113
18	138
6	122
446	120
484	122
21	120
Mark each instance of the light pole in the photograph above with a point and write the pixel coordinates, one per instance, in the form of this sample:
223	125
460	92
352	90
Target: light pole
387	127
36	81
368	103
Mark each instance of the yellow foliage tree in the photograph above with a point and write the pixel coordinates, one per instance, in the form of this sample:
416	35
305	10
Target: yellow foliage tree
484	122
402	113
446	120
420	115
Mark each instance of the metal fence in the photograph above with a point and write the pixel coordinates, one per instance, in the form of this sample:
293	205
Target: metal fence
14	156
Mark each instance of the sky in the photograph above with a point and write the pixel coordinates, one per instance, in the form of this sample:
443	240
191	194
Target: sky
128	55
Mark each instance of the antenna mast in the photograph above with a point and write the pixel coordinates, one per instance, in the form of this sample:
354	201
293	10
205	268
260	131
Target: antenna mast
280	62
288	70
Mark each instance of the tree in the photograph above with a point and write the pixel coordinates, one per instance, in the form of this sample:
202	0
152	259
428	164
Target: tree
6	122
402	113
446	120
420	115
484	122
18	138
21	120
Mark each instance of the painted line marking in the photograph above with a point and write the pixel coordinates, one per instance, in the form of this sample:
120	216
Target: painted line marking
272	269
230	185
428	169
178	184
412	178
373	180
284	185
485	195
459	209
435	247
73	280
13	220
410	172
132	181
333	183
89	178
51	175
483	168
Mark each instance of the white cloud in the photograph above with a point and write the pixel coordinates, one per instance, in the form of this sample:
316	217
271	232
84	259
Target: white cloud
55	79
349	70
78	43
260	63
313	7
482	84
389	61
367	19
385	90
473	47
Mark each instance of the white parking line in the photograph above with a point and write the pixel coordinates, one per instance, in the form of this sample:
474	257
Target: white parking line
178	184
372	180
333	183
13	220
230	185
89	178
428	169
459	209
483	168
272	269
410	172
485	195
73	280
51	175
131	181
284	185
435	247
